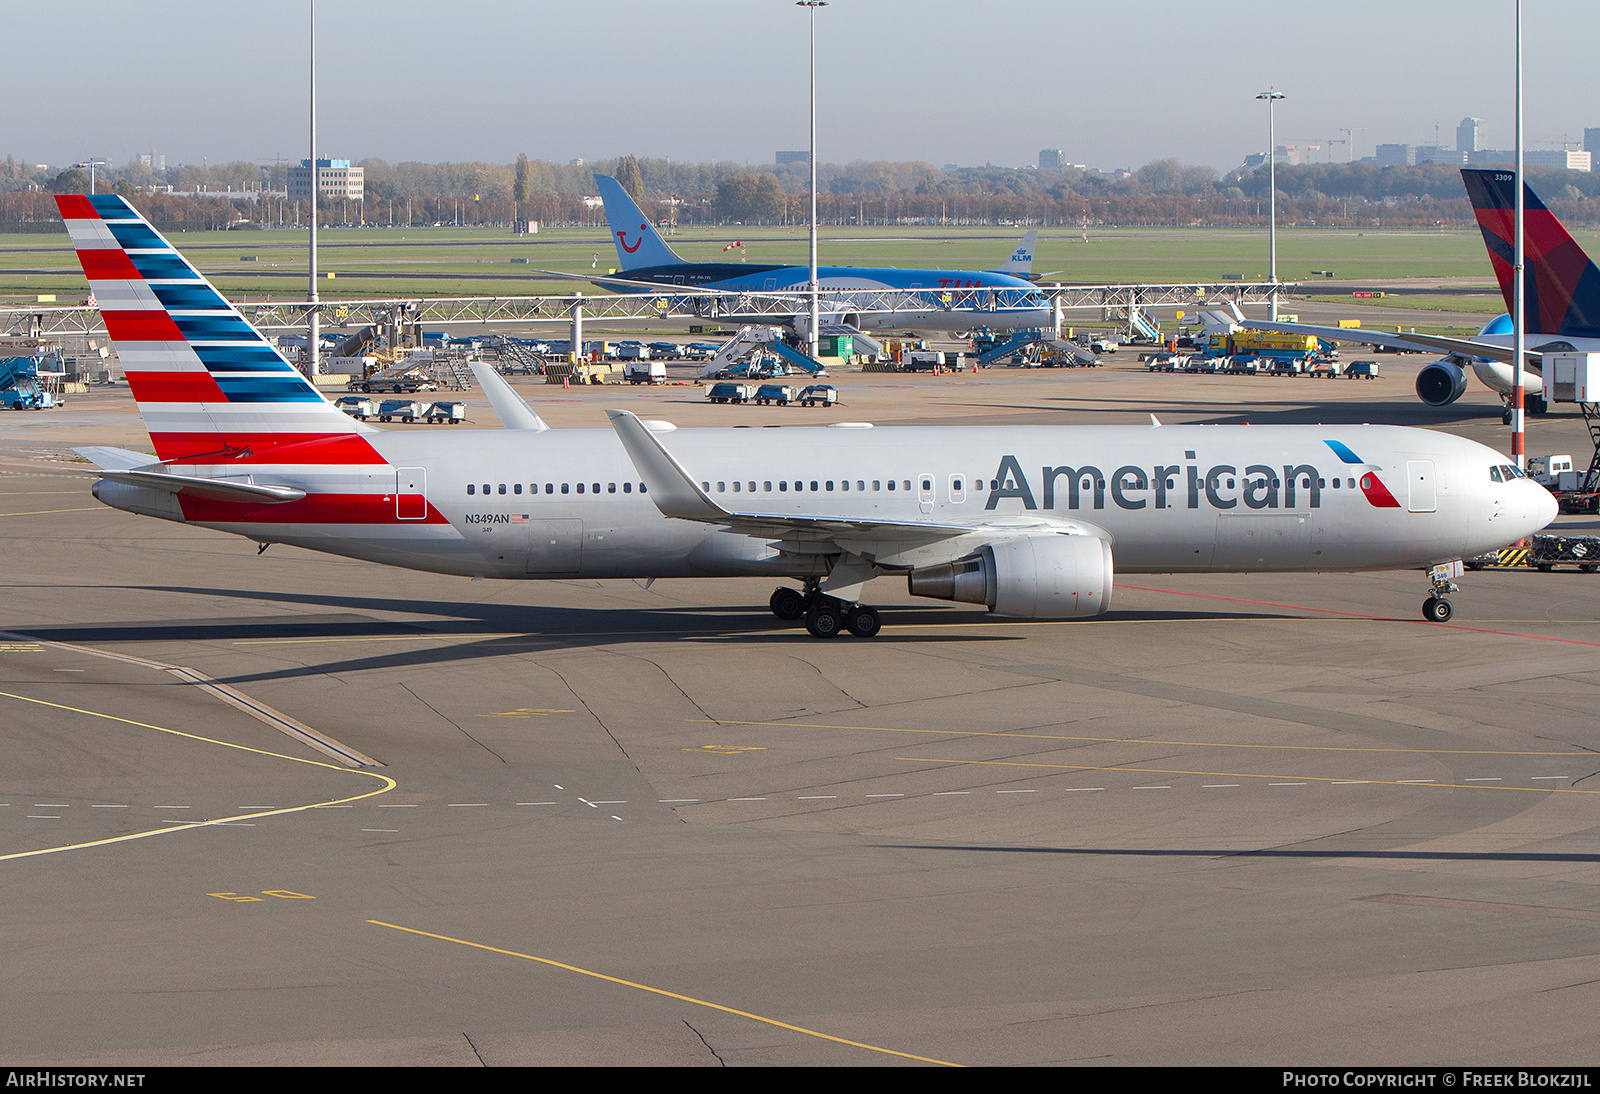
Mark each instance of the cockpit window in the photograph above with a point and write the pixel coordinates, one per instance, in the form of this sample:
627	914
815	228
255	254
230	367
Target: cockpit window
1495	476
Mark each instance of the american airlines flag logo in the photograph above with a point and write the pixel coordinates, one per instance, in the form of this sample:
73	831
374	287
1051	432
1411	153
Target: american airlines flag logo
519	518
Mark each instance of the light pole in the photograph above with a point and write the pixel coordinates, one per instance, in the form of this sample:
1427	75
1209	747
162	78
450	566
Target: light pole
313	328
1519	319
1272	98
91	164
813	335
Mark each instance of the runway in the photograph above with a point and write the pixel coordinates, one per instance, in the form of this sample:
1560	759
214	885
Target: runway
1250	820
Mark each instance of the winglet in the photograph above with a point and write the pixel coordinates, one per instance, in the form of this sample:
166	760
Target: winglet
512	411
1020	264
672	488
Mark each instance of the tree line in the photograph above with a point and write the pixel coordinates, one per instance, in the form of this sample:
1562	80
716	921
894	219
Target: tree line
1164	192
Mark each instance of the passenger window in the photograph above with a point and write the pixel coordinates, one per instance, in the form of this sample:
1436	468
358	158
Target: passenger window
596	488
829	484
706	486
502	488
550	488
486	489
783	486
580	488
627	488
844	484
766	487
906	484
517	489
564	487
813	486
722	487
891	484
752	488
861	484
642	490
471	489
611	488
877	484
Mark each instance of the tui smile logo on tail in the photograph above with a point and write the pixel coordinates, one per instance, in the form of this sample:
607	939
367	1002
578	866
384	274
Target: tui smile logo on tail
622	238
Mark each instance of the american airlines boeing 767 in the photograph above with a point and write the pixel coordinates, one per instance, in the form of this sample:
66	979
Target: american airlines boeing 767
1030	522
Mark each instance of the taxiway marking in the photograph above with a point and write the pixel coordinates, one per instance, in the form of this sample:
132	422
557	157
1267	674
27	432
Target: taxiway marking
664	992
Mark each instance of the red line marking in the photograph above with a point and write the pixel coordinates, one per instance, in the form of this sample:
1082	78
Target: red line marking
1360	615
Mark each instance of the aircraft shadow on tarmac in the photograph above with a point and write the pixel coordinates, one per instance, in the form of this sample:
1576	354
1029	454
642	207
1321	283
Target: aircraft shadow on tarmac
493	630
1267	852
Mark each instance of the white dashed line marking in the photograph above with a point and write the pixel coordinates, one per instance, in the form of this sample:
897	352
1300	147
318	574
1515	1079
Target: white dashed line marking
885	795
1016	791
1550	776
169	807
1349	782
949	793
395	830
1286	784
747	799
663	801
396	807
1218	786
1406	782
1075	789
108	807
536	803
818	797
1482	780
1152	788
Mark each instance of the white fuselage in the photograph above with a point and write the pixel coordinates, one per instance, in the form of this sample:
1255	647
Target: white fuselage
564	503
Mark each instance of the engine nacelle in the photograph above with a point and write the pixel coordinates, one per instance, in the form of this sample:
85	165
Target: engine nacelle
1442	382
1039	577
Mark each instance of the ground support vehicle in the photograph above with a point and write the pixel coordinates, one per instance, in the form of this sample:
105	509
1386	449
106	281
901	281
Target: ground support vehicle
1361	370
818	395
1544	554
767	394
19	385
395	381
403	409
446	413
646	372
356	406
729	392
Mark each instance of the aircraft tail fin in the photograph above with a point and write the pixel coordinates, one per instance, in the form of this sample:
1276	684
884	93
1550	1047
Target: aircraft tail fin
1020	264
1561	285
211	389
628	222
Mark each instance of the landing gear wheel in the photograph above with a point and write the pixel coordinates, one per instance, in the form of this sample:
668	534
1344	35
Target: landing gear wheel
823	621
863	622
1436	609
787	604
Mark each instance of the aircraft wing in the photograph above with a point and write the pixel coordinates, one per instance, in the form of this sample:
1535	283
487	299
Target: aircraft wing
1466	347
676	494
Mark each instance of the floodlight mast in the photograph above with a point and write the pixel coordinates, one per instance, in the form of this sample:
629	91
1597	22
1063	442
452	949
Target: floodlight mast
813	336
1272	96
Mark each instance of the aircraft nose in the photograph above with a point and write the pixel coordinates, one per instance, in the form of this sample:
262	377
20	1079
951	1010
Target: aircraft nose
1544	507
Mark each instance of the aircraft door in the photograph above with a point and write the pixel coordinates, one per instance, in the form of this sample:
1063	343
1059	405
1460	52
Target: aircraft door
411	493
555	547
1424	489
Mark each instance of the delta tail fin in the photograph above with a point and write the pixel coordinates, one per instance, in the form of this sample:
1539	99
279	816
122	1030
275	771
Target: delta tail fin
639	245
211	389
1561	285
1020	264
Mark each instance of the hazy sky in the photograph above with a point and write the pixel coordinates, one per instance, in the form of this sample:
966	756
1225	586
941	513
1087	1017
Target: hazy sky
1112	84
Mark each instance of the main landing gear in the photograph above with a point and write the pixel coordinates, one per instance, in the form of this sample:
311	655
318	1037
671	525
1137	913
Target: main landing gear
825	615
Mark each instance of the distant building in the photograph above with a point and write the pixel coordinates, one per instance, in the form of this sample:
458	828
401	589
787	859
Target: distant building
1534	157
1591	141
156	161
335	179
1431	153
1467	134
1396	155
793	157
1050	157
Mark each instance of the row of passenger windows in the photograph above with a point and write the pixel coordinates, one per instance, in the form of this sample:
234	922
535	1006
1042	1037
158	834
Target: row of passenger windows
799	486
957	485
550	488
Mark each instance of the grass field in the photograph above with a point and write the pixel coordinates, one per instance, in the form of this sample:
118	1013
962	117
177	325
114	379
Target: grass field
381	262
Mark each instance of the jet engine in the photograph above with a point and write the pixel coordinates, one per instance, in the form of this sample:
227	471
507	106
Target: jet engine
1038	577
1442	382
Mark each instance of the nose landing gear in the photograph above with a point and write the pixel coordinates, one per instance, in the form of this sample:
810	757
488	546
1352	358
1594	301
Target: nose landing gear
1436	609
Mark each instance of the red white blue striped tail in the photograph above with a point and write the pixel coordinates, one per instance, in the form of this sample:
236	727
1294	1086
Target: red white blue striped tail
210	387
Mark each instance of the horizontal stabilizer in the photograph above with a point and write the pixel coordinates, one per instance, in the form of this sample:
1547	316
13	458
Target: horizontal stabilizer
215	489
115	459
